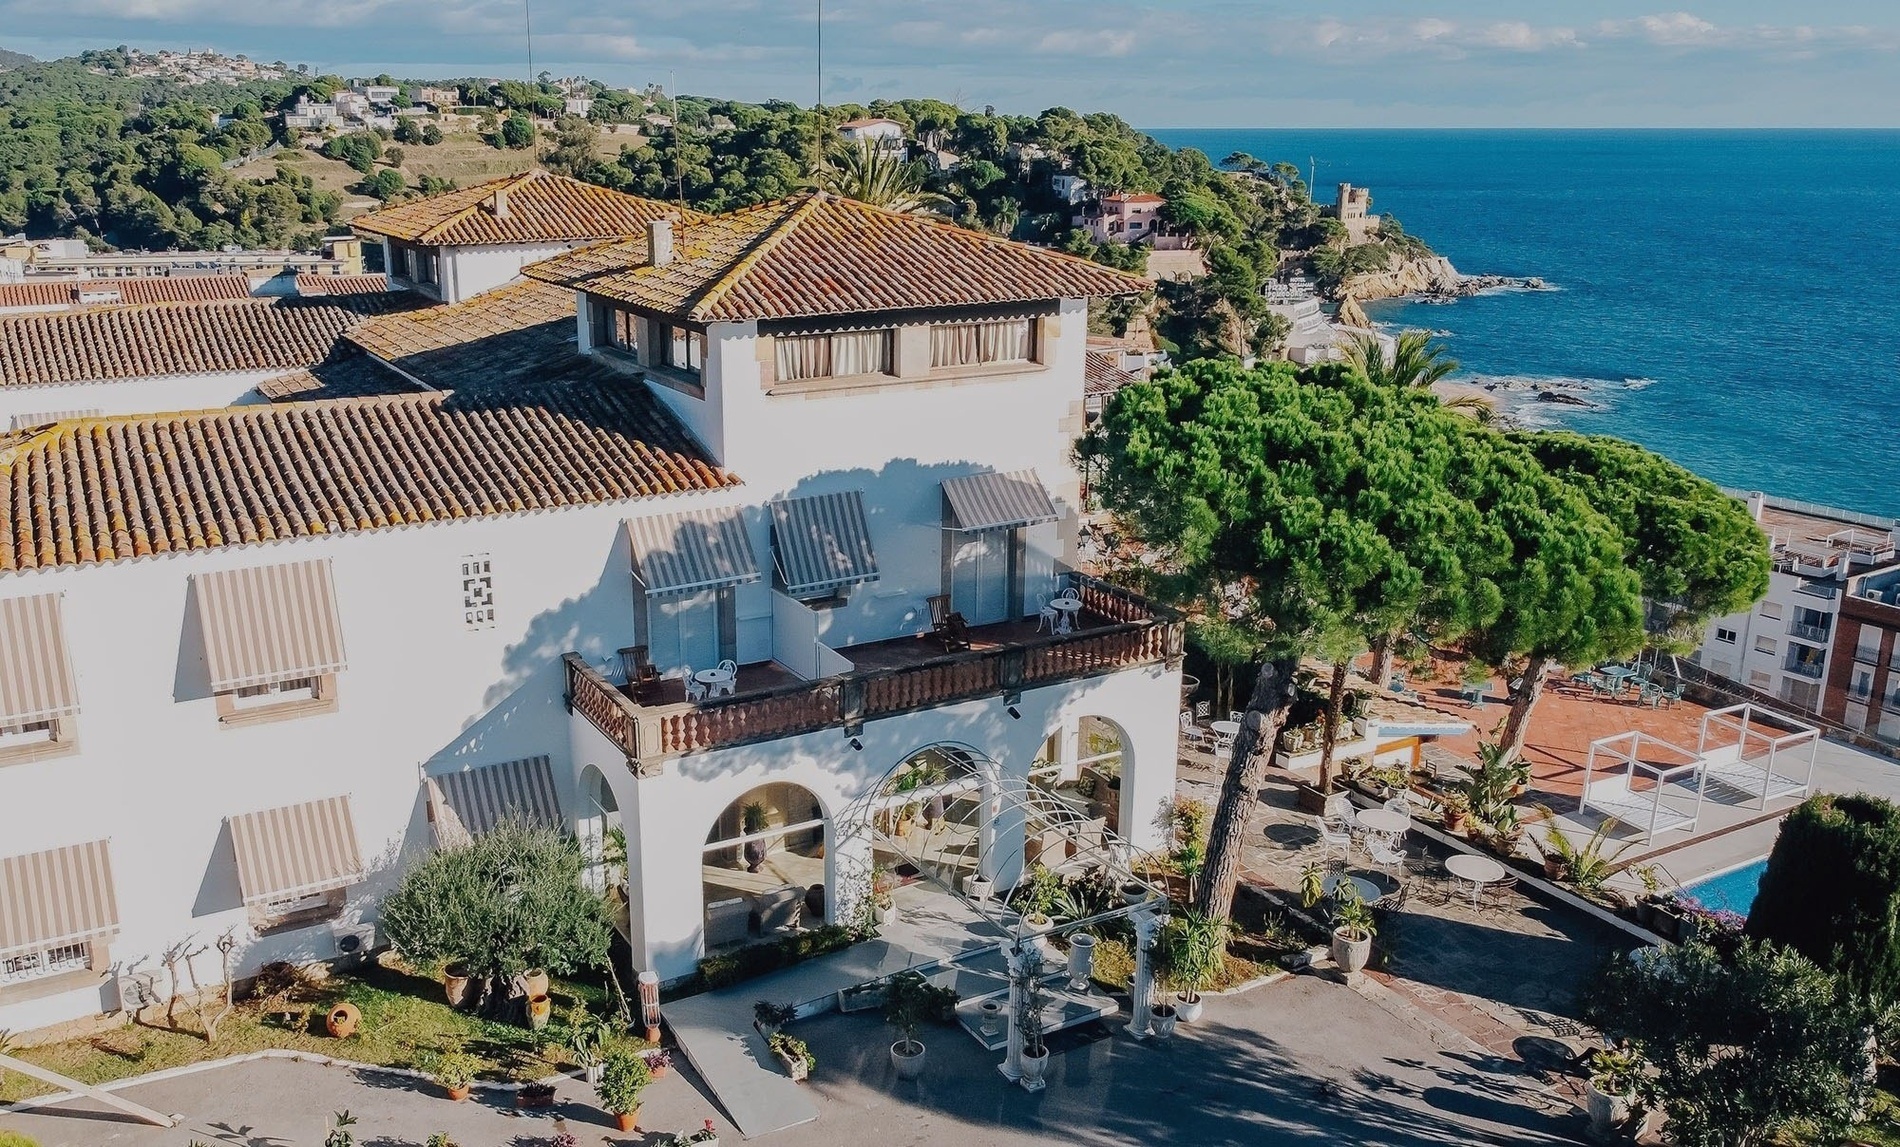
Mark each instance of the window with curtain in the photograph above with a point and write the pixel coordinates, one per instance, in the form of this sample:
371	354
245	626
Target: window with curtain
974	344
682	349
839	354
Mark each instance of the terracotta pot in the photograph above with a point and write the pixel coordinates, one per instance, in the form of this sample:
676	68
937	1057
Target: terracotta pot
540	1008
456	985
1553	868
626	1121
342	1021
458	1094
535	980
1455	821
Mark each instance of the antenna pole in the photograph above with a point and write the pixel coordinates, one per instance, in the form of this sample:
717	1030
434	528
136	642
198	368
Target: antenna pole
527	15
679	173
818	131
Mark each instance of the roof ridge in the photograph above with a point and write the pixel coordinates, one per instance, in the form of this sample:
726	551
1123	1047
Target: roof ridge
761	246
979	238
512	181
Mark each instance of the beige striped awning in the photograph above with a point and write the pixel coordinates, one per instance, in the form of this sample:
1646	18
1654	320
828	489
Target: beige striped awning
36	675
466	804
266	624
691	551
823	542
296	850
998	501
56	897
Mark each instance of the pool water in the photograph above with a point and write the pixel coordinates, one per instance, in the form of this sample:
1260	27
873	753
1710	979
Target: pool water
1731	891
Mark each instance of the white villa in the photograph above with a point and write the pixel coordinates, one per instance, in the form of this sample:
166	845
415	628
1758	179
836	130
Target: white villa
332	579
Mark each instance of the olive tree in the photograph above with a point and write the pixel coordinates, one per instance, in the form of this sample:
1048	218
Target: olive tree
508	901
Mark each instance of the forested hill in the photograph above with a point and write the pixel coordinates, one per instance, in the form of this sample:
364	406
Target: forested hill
14	59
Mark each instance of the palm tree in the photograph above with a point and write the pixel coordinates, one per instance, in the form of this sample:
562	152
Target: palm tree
869	174
1416	363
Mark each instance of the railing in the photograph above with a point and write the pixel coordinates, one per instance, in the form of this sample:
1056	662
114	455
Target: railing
1814	633
1868	654
1809	669
1817	589
1138	633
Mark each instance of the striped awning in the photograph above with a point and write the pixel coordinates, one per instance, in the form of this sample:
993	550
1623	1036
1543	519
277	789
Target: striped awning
691	551
56	897
296	850
266	624
822	543
47	417
36	675
466	804
998	501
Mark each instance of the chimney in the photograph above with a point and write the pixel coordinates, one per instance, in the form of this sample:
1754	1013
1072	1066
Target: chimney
501	202
660	242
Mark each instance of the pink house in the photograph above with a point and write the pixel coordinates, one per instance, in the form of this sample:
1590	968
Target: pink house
1122	218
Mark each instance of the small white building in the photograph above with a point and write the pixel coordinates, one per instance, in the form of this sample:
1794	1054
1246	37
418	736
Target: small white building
459	244
1312	335
577	105
1071	189
383	94
256	660
882	134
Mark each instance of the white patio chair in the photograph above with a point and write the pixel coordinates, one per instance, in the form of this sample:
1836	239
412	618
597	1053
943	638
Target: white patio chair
1192	735
1334	833
1223	743
1046	614
1385	852
729	666
1236	716
1202	710
694	690
1069	594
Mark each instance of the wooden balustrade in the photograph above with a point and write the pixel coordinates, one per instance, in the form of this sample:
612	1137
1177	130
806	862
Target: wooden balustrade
1138	634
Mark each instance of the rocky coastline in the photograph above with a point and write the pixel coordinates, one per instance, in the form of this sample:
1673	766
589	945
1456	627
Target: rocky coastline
1432	280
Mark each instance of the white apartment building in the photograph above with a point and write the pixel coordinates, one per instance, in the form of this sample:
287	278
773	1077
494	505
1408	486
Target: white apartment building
1785	646
255	659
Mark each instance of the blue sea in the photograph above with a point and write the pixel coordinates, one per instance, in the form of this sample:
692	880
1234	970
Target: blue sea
1729	298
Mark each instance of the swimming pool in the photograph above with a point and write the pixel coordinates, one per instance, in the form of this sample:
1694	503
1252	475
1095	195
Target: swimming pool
1731	891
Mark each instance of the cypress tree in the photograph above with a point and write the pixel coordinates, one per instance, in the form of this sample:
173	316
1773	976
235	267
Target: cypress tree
1832	890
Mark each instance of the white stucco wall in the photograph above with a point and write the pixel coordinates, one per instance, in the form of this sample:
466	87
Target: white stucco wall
469	271
135	396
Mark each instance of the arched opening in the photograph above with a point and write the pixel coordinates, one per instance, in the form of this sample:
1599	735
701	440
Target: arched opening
1095	777
604	842
924	816
763	868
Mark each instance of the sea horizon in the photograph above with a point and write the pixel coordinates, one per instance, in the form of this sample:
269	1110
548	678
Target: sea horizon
1714	299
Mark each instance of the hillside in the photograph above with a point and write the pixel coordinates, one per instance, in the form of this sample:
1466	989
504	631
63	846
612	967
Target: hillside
14	59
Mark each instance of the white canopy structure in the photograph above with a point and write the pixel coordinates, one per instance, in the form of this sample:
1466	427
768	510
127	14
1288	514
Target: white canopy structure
1763	754
1629	776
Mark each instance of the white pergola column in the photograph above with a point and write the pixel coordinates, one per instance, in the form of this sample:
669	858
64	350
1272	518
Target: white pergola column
1024	962
1141	988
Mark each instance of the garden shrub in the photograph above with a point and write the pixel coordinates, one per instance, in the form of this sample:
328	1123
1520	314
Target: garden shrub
727	969
1832	890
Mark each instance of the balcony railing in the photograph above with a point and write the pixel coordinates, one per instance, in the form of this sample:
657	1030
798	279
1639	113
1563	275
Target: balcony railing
1817	589
1867	654
1135	632
1814	633
1809	669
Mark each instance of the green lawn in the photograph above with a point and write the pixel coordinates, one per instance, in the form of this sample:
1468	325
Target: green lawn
404	1017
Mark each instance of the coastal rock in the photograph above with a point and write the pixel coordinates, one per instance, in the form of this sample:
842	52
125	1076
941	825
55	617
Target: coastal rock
1560	397
1351	314
1431	276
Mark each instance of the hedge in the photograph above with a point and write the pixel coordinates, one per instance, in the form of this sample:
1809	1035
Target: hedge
1832	890
731	968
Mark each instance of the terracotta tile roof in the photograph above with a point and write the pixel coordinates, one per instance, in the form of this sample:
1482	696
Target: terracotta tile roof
49	293
347	373
115	343
309	285
541	208
821	254
486	327
1103	373
112	489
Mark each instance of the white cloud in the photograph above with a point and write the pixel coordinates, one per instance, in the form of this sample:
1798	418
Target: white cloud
1101	42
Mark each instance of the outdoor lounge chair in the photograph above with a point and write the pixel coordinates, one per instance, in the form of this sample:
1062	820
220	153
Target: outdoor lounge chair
1611	796
948	625
642	677
1728	767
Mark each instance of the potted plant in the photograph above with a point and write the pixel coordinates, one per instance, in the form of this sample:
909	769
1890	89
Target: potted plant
535	982
1036	899
623	1076
455	1071
752	818
706	1136
1353	928
531	1095
1587	866
1198	954
883	894
659	1061
456	981
587	1036
768	1017
1610	1089
1035	1055
909	1001
1456	807
793	1053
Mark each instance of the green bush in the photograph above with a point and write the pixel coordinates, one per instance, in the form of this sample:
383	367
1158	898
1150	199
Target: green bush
15	1139
1832	890
731	968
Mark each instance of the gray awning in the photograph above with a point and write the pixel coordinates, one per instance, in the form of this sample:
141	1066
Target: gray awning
823	543
998	501
466	804
296	850
56	897
692	551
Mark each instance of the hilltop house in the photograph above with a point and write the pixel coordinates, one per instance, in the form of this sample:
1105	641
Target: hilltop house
459	244
1122	218
882	134
484	559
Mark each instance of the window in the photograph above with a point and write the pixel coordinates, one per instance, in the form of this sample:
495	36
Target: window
1889	729
975	344
276	693
1771	610
840	354
1863	687
681	349
39	963
1725	635
1722	669
1801	694
478	592
1856	717
614	327
1765	645
1758	679
418	265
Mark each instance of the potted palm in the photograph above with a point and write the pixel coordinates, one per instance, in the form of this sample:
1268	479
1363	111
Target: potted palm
1455	807
623	1076
753	819
1353	929
1199	954
1587	865
1610	1089
587	1036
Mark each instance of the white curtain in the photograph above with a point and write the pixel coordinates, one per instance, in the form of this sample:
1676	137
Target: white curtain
803	356
970	344
838	355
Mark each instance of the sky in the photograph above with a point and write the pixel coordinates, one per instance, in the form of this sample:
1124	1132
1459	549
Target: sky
1191	63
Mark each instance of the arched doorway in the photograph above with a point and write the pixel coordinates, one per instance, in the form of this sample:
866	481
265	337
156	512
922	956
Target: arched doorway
763	869
603	841
1102	752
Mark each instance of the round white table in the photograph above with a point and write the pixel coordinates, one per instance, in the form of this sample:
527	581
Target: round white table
1367	890
1477	871
713	678
1388	821
1229	729
1067	608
